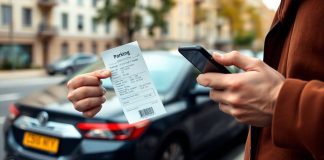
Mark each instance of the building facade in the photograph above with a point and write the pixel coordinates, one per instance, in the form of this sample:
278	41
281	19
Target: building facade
43	31
19	26
46	30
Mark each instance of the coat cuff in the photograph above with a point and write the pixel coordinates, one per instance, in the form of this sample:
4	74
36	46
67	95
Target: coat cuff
285	118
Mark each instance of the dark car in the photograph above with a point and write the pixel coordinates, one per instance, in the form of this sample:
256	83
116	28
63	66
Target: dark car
70	64
45	125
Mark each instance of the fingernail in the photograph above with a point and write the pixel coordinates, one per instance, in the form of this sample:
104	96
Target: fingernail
87	115
104	72
104	91
217	55
203	81
103	99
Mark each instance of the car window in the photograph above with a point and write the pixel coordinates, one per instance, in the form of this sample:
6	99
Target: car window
82	60
163	71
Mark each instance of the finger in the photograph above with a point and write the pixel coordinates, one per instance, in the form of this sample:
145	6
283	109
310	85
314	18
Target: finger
83	80
228	97
238	114
228	109
101	74
219	81
217	96
86	92
89	103
224	97
92	112
236	59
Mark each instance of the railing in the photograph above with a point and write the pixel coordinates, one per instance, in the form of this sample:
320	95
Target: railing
46	31
47	3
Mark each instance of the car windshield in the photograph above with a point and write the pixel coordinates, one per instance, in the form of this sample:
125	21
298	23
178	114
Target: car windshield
64	58
163	69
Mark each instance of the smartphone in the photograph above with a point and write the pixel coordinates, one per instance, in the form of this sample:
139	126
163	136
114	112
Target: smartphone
202	59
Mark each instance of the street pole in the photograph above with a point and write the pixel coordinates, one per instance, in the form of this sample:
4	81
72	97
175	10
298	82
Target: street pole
11	32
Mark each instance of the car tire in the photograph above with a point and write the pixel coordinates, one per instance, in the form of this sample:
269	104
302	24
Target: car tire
51	73
173	150
68	71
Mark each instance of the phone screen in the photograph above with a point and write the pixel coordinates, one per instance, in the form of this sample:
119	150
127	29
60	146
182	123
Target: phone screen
201	62
198	60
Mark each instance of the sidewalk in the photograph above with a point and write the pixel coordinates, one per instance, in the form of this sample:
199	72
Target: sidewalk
18	74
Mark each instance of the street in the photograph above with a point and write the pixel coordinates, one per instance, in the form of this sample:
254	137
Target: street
13	89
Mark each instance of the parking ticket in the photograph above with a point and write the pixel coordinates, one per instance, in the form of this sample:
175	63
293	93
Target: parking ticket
132	82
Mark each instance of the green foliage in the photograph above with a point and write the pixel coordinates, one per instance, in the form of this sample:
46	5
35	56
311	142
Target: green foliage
234	11
244	39
127	14
200	15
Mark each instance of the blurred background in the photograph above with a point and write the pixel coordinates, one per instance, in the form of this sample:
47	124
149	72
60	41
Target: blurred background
42	38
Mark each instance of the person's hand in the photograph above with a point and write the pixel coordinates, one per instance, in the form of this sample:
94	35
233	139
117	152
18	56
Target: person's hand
86	92
250	96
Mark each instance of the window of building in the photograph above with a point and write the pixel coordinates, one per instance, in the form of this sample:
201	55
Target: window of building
94	3
80	47
80	2
165	30
180	29
27	17
65	21
80	23
94	47
6	14
65	49
94	25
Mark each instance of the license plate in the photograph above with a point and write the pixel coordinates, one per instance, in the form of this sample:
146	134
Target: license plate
41	142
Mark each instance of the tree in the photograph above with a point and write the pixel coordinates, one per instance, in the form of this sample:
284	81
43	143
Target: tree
234	11
130	18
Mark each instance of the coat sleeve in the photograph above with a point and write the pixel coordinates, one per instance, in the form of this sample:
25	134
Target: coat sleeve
298	120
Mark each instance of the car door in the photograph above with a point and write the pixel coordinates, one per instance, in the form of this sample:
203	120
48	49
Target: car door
210	124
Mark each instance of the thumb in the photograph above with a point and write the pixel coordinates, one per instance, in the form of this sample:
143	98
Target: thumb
234	58
101	74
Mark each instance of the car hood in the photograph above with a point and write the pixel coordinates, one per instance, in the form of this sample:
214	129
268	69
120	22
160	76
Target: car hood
55	99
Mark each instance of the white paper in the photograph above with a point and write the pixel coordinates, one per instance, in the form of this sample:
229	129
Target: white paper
132	83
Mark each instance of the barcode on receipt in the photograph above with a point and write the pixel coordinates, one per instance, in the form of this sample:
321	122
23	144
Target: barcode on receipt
146	112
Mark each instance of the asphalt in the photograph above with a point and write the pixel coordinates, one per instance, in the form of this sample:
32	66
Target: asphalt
14	74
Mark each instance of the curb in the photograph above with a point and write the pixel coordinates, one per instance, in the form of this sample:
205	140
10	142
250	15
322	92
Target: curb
16	74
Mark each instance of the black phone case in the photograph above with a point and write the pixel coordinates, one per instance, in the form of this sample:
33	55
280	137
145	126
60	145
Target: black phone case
207	55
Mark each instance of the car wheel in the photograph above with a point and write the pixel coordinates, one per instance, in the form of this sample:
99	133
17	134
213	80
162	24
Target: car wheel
173	150
68	71
51	73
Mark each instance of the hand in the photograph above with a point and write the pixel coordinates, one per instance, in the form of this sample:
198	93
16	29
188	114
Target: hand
86	92
250	96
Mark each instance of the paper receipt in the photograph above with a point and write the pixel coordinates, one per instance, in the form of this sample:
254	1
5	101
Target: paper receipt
132	82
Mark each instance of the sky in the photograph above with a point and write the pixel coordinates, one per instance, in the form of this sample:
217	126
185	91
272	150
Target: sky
272	4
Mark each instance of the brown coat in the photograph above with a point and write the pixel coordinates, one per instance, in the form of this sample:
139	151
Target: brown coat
295	47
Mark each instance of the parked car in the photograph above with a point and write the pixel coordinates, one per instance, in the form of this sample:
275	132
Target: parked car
70	64
247	52
260	55
45	126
